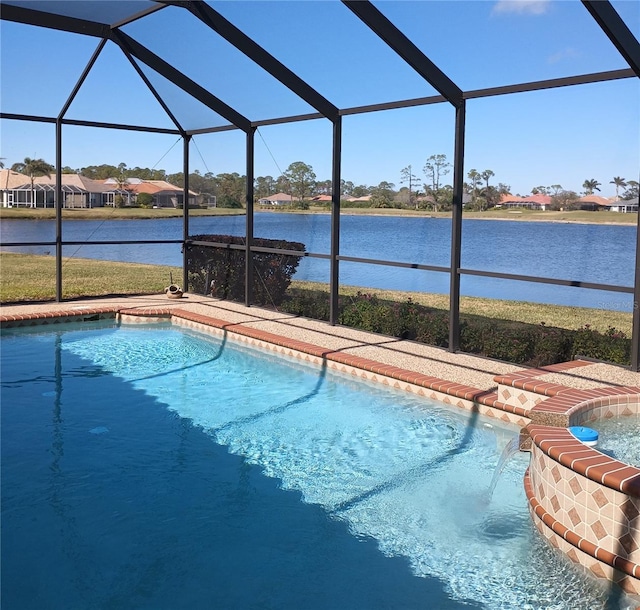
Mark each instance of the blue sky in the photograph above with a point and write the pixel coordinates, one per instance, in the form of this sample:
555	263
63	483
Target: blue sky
561	136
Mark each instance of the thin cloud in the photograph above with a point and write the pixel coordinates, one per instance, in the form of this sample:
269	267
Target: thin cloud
521	7
564	54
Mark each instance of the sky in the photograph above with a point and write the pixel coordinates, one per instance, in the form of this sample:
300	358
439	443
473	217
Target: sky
561	136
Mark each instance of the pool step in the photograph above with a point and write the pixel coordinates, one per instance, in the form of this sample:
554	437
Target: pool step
527	388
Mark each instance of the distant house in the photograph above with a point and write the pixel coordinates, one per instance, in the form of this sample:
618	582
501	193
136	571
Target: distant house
625	206
594	203
81	192
11	184
276	200
363	198
531	202
322	198
165	194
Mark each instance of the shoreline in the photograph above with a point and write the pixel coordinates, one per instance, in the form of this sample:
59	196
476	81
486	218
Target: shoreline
138	214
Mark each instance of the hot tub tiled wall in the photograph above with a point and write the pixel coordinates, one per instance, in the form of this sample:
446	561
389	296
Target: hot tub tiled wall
585	503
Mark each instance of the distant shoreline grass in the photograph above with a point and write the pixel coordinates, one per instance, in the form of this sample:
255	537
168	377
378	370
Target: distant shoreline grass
574	216
31	278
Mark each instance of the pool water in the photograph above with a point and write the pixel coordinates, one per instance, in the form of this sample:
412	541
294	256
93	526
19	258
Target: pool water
153	467
619	438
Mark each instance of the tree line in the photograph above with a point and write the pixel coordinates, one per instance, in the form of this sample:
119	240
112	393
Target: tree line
430	192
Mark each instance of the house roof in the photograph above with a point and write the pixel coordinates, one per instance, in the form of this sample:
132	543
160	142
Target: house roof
539	199
603	201
11	180
277	197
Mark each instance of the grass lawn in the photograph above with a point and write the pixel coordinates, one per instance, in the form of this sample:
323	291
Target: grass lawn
26	277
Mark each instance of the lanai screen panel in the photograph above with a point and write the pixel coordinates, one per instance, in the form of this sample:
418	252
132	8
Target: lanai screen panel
196	50
490	44
325	44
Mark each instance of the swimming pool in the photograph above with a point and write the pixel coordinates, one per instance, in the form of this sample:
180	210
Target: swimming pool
153	467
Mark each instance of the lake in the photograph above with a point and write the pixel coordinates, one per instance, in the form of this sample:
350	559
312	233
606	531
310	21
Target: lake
582	252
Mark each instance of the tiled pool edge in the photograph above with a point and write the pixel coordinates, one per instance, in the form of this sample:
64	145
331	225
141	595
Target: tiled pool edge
539	416
462	396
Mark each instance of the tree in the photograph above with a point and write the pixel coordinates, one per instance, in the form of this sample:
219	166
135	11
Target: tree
408	178
301	179
360	190
619	182
556	188
633	189
230	190
33	168
475	176
324	187
382	195
564	200
346	188
434	169
540	190
264	186
123	185
385	188
487	174
590	185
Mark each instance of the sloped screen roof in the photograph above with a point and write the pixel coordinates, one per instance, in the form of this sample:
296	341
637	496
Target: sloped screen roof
261	61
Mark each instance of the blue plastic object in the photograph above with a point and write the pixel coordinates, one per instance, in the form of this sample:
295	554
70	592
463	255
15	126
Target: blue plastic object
586	435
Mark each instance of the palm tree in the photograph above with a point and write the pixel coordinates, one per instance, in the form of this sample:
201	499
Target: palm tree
590	185
475	176
33	168
618	182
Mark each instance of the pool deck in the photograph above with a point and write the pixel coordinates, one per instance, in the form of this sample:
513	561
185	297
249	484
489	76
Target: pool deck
458	373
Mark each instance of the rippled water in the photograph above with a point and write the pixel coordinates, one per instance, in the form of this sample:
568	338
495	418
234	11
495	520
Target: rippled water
579	252
620	438
150	467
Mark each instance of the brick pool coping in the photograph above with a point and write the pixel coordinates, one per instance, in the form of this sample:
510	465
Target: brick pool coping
468	397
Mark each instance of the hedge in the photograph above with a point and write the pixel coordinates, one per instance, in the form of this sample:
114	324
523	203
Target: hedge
220	271
517	342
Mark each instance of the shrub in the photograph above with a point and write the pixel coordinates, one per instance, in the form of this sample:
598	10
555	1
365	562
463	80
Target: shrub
520	343
144	200
612	345
220	271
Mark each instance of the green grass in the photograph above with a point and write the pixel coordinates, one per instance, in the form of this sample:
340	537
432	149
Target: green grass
26	277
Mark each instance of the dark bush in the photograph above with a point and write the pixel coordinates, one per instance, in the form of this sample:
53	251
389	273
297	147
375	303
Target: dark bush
220	270
520	343
612	345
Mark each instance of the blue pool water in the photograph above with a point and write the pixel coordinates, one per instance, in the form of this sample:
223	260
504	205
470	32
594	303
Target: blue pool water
152	467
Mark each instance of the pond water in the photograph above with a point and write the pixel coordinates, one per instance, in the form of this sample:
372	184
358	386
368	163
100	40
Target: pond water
581	252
